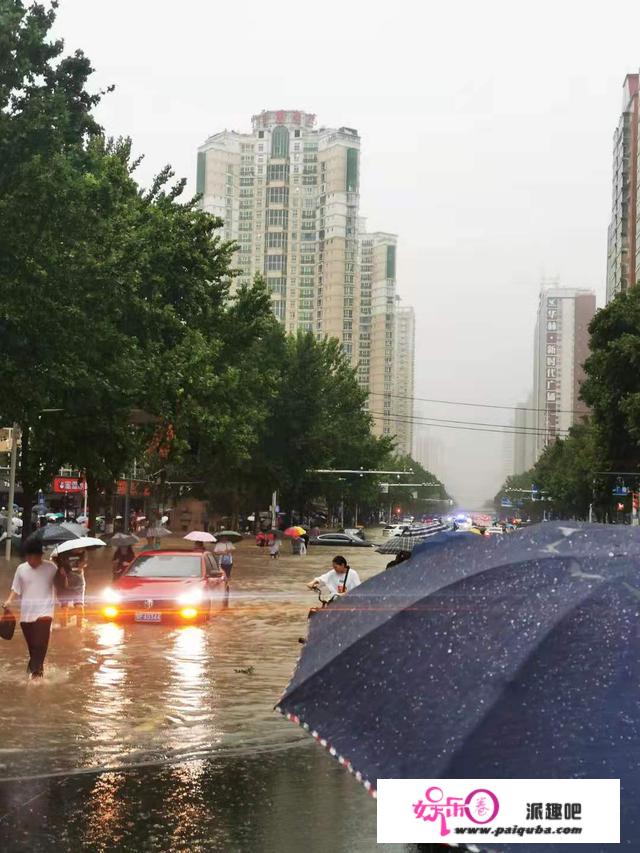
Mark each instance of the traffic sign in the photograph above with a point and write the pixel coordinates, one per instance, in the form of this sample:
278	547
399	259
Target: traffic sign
506	502
620	490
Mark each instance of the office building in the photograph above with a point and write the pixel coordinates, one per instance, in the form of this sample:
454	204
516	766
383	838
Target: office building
623	249
561	346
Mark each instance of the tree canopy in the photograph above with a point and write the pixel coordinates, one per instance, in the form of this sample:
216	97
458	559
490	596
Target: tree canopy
115	297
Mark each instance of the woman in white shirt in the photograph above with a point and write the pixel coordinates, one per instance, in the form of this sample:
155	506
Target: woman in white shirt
339	580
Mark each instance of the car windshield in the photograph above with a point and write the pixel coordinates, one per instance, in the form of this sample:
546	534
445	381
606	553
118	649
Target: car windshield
166	566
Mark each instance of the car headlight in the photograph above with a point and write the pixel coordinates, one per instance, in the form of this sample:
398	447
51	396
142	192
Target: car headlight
189	598
111	595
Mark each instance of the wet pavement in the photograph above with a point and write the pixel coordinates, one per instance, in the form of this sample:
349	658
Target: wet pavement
148	737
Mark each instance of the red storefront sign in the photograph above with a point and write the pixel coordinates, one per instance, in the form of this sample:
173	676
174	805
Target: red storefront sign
68	486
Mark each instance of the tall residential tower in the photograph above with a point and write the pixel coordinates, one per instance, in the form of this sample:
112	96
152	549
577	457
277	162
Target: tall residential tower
288	194
623	249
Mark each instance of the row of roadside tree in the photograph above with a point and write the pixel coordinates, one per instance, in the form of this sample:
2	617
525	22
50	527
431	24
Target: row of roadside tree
122	335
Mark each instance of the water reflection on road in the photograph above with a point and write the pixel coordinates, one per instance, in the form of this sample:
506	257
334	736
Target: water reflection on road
120	695
141	697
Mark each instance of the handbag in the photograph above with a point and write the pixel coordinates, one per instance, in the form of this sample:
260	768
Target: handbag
7	624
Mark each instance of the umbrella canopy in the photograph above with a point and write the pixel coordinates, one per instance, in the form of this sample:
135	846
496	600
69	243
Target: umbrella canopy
231	535
399	544
517	658
123	540
199	536
295	532
81	544
82	518
53	534
76	529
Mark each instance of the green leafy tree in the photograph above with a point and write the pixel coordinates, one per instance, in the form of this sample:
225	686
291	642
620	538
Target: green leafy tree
612	384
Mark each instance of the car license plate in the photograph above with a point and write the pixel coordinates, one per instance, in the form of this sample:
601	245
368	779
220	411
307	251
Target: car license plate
148	616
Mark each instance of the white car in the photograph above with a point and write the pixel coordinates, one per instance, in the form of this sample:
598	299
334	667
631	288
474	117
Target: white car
397	529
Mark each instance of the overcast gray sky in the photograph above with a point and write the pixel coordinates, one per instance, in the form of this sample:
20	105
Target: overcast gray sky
487	136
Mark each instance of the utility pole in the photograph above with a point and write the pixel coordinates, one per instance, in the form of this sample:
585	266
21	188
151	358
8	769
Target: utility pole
15	434
274	510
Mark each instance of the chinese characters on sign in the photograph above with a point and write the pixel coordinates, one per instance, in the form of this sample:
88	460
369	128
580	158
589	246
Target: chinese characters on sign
68	486
554	811
552	372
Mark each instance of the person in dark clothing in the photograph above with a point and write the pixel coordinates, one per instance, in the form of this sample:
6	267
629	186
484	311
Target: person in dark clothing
399	558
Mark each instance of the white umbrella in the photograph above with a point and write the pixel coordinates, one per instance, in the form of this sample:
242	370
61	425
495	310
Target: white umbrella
200	536
157	532
80	544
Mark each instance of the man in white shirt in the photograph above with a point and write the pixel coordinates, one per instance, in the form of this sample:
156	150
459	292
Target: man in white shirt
339	580
33	582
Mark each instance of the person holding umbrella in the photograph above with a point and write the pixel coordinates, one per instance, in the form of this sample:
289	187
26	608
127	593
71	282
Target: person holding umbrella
34	583
71	582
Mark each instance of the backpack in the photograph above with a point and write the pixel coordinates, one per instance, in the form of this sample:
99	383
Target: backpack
226	560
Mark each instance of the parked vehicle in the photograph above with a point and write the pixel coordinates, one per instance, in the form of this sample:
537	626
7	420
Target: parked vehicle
167	586
354	531
340	540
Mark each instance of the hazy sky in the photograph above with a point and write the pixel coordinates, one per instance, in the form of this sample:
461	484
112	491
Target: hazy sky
487	137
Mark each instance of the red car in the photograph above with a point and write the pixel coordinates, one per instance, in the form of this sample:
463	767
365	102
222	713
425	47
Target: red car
167	586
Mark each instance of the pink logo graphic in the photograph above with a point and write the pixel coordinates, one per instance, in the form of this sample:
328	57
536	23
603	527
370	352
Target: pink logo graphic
479	806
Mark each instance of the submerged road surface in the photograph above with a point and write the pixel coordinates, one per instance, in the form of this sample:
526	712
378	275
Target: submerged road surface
150	737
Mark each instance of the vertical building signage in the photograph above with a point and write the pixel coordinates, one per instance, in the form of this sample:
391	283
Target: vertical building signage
552	370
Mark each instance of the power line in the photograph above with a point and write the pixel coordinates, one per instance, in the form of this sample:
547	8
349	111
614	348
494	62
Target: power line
468	425
476	405
419	418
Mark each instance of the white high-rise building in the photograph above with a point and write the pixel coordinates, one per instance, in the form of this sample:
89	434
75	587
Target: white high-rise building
288	194
403	375
378	325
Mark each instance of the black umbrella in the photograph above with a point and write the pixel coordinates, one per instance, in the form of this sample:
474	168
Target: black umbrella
513	658
53	534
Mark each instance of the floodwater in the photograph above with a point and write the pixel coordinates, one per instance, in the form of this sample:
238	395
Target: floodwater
150	737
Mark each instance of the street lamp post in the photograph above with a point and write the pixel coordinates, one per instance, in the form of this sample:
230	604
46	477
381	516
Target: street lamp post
15	432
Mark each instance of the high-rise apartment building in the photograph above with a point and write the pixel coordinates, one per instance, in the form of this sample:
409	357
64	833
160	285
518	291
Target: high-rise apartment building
288	194
403	367
561	346
623	250
377	324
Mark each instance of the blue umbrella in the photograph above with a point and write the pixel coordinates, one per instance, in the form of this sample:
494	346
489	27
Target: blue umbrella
510	658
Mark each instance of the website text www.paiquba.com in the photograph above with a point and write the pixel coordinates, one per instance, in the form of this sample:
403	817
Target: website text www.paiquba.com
518	830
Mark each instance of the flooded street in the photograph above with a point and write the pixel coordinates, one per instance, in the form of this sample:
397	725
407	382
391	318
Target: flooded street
188	713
